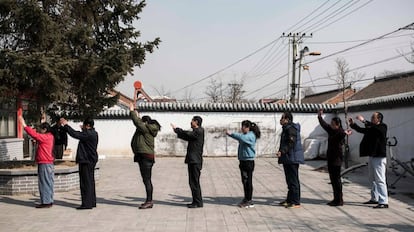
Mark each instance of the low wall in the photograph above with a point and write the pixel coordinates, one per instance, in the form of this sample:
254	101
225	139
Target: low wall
25	181
11	149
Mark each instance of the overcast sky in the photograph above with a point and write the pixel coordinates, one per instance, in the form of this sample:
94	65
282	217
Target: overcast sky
202	39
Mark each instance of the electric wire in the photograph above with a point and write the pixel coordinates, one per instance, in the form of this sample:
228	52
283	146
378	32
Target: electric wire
331	15
323	27
315	17
363	66
238	61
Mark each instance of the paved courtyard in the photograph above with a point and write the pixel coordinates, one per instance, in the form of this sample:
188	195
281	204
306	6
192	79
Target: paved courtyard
120	191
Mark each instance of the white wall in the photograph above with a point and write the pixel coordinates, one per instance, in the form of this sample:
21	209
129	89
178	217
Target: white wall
115	134
400	124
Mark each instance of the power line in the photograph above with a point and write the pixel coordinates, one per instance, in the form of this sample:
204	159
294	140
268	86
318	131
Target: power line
316	30
355	41
358	45
307	16
366	65
331	15
344	50
264	65
242	59
226	67
298	28
266	85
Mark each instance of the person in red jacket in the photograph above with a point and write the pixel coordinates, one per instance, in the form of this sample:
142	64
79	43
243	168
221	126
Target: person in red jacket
44	159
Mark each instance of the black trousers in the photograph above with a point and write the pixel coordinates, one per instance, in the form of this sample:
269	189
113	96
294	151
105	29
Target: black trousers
194	172
246	171
292	181
58	151
335	177
87	184
145	167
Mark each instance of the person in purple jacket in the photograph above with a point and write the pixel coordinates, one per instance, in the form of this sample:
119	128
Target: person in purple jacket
246	154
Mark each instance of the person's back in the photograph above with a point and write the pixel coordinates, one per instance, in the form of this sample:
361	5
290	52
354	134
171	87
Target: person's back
87	147
291	148
195	146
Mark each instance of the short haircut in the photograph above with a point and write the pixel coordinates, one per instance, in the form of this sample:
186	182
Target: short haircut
45	126
380	116
288	115
198	119
88	122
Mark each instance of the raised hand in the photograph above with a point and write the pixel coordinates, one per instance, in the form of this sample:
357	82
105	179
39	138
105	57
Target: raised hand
320	112
360	118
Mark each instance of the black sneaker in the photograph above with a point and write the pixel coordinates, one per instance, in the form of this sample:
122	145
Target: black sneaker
370	202
284	203
381	206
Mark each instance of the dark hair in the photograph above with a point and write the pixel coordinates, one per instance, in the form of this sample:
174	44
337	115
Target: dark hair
380	116
288	115
198	119
45	126
252	127
89	122
148	120
337	121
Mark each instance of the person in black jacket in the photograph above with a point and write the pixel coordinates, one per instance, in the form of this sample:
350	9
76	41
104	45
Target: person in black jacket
61	140
86	157
373	144
336	136
194	157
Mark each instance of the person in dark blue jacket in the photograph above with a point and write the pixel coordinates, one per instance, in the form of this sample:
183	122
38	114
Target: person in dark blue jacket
290	155
246	154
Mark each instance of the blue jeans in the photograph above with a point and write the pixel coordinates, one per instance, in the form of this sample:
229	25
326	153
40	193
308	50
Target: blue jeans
46	174
376	173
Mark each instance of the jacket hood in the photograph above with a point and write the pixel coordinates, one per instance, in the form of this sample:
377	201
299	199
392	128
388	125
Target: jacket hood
294	125
153	129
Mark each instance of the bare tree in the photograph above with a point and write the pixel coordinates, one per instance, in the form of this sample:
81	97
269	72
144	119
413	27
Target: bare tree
215	91
188	96
410	56
235	92
345	80
162	92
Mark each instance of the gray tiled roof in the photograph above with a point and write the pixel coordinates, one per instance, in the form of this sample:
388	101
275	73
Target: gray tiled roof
392	100
218	107
398	83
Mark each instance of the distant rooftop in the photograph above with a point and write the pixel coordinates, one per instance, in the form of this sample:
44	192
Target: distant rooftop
387	85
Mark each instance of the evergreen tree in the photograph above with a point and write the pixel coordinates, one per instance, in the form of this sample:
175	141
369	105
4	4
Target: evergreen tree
71	52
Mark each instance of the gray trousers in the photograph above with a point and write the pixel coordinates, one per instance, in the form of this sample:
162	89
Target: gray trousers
46	173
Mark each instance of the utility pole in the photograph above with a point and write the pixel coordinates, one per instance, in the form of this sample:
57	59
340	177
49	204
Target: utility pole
295	39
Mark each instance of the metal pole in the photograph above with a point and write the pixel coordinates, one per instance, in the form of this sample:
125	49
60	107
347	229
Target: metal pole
299	77
293	85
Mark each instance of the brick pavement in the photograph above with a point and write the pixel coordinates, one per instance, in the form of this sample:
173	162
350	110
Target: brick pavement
120	191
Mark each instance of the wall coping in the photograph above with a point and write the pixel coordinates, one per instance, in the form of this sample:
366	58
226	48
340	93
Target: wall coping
391	100
33	171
